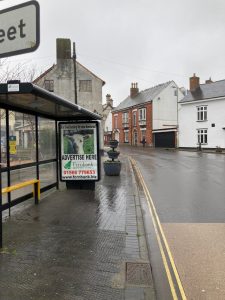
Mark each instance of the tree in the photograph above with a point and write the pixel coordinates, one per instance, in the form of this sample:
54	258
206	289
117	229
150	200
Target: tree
22	71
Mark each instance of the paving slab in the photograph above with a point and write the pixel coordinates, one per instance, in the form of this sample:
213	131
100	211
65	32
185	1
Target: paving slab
76	244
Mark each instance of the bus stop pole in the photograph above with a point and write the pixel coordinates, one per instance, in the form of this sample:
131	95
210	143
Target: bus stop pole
1	231
1	243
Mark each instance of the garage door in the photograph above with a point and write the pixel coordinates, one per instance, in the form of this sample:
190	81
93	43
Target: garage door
165	139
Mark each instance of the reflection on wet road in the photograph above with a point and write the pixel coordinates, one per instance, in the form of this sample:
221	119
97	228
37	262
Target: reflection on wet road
188	192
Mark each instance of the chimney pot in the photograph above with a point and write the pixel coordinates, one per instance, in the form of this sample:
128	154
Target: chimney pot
109	100
209	80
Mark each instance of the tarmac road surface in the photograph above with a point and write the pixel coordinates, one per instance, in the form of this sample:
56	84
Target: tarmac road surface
188	193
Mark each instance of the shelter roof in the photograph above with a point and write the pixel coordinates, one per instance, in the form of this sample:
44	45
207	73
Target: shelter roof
31	98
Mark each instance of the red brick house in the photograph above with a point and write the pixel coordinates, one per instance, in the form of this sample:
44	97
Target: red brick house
150	114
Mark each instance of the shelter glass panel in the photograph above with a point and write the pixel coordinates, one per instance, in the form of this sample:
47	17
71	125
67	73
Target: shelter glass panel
46	139
19	176
4	184
47	174
22	140
3	135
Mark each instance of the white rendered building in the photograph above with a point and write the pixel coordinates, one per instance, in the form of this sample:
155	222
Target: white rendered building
202	115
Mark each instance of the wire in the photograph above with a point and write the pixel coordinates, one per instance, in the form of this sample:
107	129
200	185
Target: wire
133	66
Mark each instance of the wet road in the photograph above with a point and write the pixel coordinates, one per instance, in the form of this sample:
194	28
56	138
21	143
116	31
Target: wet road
188	192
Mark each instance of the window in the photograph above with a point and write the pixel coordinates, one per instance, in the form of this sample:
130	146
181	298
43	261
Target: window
202	136
202	113
125	118
134	119
142	114
115	122
85	86
49	85
126	136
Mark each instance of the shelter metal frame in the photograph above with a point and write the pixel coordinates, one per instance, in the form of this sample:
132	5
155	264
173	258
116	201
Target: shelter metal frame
28	98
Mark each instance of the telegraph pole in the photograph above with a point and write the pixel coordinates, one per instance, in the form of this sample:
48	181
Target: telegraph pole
75	72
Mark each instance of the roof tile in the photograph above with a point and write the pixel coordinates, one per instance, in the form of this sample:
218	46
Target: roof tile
142	97
206	91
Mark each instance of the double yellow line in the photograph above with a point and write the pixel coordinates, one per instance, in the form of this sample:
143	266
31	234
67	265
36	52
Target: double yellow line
161	239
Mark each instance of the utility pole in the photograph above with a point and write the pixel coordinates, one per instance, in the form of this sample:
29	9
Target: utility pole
75	72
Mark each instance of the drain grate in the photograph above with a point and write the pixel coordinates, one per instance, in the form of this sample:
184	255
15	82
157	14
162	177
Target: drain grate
138	273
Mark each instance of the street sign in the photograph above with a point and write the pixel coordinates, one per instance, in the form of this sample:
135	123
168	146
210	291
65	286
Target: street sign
19	29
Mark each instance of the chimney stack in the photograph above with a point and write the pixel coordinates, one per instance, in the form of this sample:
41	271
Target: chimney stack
194	83
109	100
134	90
209	80
63	48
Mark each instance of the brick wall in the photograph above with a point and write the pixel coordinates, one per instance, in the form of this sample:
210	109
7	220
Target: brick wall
131	128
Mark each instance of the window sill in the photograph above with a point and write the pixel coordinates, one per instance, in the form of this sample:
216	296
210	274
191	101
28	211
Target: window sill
201	120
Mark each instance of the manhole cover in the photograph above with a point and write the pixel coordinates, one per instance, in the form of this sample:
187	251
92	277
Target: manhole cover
138	273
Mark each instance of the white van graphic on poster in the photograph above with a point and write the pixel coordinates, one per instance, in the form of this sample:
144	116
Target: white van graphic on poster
79	159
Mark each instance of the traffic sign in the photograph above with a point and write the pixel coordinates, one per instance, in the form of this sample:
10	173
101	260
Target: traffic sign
19	29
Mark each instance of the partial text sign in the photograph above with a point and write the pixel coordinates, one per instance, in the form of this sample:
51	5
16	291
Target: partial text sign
19	29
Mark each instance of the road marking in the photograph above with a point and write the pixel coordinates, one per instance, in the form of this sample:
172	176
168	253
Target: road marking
158	231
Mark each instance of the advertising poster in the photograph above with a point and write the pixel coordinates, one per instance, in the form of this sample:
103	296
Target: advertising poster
79	153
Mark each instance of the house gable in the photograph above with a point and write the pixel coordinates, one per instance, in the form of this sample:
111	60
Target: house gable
71	80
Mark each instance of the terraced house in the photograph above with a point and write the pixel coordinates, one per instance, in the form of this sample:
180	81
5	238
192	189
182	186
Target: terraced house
151	114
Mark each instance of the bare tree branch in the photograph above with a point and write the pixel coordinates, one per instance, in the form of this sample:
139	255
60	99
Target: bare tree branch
20	71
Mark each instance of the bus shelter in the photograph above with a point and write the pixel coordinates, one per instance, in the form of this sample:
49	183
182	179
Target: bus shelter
30	120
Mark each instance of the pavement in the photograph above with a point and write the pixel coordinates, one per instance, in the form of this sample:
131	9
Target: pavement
79	245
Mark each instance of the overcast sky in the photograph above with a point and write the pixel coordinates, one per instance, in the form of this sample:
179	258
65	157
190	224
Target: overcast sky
144	41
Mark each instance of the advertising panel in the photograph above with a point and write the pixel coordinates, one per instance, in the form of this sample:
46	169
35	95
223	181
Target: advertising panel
79	151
